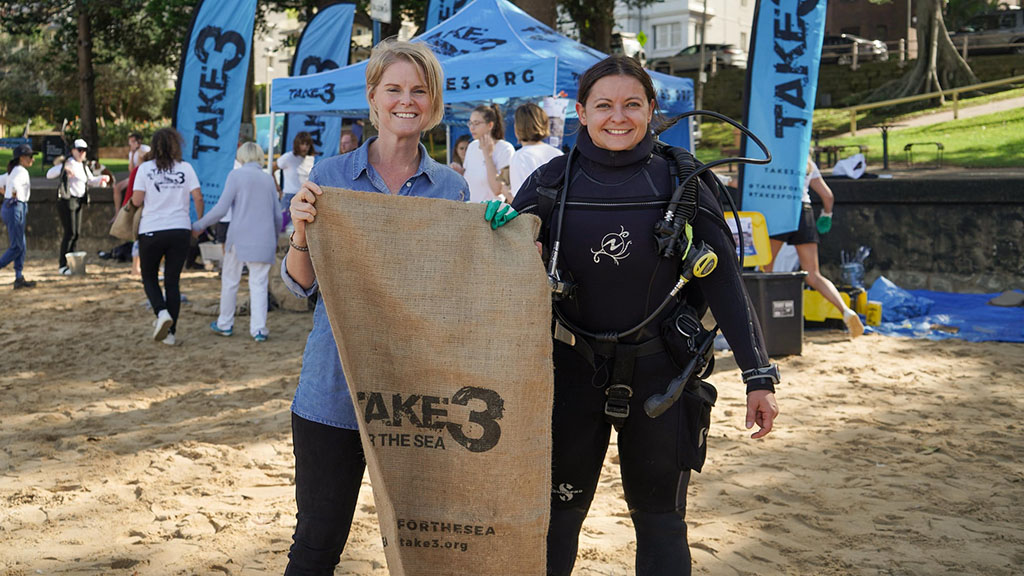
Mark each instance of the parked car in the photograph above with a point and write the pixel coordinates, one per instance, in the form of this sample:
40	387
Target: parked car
689	58
627	44
993	32
839	49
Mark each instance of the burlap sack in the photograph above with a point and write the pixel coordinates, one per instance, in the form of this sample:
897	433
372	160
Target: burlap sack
443	329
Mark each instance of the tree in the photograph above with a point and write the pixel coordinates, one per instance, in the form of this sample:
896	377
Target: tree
545	11
594	20
938	66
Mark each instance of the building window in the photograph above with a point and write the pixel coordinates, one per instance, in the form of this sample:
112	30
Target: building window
743	3
744	41
668	36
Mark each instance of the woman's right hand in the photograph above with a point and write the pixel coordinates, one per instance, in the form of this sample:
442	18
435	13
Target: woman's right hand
302	209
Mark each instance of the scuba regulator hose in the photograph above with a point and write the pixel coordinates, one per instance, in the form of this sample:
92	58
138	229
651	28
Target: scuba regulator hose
698	261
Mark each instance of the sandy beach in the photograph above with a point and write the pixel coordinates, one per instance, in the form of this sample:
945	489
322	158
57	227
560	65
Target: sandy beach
119	455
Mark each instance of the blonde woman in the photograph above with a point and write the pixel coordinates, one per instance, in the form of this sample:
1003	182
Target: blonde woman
531	127
404	90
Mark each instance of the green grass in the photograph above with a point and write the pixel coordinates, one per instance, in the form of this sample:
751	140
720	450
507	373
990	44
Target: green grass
116	165
834	121
995	140
990	141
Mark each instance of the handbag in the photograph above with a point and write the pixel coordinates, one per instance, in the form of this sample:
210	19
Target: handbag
126	223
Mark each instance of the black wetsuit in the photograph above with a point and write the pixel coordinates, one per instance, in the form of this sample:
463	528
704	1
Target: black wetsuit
608	248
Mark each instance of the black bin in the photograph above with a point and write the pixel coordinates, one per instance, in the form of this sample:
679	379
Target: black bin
778	300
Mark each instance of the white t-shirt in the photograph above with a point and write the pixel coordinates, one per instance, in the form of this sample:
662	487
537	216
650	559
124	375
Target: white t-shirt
18	181
135	158
166	204
476	172
811	175
296	170
527	159
79	177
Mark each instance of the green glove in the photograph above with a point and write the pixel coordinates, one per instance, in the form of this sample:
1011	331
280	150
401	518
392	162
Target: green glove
498	213
824	223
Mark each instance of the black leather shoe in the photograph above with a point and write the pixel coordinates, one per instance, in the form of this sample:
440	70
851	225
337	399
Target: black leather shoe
22	283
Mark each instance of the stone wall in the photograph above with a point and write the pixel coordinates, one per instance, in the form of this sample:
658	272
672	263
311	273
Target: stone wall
44	231
953	235
950	235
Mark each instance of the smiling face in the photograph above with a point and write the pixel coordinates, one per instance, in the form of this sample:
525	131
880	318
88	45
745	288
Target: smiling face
401	100
617	114
478	127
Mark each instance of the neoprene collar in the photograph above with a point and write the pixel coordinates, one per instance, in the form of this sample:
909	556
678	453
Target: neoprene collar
609	159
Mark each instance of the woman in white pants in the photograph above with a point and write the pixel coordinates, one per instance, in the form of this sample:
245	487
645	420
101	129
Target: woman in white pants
251	195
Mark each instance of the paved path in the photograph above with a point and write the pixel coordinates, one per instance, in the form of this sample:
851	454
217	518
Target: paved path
936	117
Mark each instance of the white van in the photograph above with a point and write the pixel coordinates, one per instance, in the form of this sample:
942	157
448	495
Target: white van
626	43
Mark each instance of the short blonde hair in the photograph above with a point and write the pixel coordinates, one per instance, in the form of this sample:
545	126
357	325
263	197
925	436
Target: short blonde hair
531	123
390	51
250	152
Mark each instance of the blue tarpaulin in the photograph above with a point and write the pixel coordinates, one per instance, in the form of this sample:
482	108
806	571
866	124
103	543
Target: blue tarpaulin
964	316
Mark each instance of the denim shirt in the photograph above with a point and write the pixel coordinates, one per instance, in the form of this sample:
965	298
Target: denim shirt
322	395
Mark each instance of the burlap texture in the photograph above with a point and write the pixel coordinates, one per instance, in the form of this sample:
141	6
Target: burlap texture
443	329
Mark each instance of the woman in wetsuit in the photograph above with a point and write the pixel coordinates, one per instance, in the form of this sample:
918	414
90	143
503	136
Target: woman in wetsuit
618	189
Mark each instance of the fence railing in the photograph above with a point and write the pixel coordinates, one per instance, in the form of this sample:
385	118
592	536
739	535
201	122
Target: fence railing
954	92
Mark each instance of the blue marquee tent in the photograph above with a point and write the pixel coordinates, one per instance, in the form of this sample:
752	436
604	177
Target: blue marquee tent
489	50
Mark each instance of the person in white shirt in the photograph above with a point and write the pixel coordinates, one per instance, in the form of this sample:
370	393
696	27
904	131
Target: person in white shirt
17	190
136	150
488	155
71	197
296	164
162	187
531	127
806	238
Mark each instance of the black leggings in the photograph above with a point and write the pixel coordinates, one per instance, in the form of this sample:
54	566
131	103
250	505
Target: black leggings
172	247
329	465
70	212
652	479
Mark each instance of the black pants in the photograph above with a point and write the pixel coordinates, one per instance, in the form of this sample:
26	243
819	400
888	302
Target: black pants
329	465
70	213
172	247
652	479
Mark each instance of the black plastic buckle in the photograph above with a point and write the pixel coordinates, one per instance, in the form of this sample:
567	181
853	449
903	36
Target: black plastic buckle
616	408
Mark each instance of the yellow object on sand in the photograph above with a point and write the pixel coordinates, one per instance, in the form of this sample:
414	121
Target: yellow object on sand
758	248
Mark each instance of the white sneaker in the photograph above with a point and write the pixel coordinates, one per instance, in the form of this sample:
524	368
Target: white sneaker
163	325
64	271
169	340
853	323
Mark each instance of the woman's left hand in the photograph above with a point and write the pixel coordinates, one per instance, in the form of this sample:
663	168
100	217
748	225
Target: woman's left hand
487	145
762	409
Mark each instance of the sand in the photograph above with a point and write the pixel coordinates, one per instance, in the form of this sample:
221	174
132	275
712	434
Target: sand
119	455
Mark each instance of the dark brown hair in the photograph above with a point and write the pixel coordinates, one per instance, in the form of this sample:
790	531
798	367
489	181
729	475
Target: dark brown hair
531	123
166	148
303	138
617	65
492	114
455	149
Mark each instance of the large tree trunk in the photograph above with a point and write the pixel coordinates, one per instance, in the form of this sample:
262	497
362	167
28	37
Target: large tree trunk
86	81
594	20
546	11
938	66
